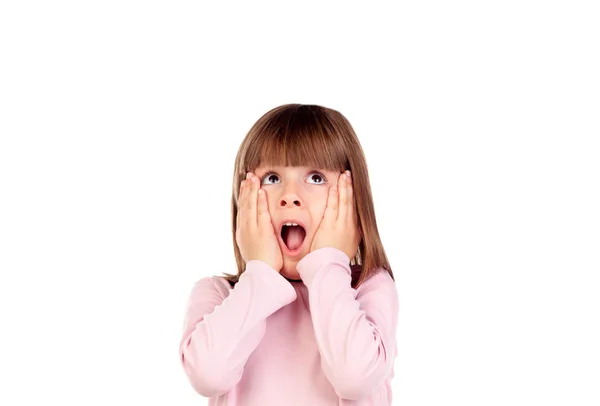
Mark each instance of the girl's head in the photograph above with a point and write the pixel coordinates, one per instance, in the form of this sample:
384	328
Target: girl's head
298	151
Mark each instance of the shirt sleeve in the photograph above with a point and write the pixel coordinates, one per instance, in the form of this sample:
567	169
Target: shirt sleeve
355	330
219	334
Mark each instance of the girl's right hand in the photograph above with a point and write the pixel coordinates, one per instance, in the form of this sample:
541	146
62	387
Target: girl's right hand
254	233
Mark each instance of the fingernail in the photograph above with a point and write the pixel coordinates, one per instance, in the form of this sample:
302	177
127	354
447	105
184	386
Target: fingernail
248	175
348	173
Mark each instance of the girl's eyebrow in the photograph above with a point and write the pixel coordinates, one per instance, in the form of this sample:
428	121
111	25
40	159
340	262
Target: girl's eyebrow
309	169
264	171
273	170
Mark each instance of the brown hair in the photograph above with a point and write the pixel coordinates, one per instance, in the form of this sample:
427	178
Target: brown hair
322	138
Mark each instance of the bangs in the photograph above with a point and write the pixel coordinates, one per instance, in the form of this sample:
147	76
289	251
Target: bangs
296	135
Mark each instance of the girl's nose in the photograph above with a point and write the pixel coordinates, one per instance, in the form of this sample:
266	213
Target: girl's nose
290	197
290	201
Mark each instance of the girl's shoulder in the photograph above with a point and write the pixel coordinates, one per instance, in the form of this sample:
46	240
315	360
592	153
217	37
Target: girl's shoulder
379	279
218	284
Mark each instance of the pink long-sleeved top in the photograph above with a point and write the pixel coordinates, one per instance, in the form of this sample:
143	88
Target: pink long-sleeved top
271	341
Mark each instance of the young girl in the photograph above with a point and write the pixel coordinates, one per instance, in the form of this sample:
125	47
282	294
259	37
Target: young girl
310	317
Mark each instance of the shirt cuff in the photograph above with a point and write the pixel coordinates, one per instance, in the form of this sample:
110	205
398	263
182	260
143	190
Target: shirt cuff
277	286
321	258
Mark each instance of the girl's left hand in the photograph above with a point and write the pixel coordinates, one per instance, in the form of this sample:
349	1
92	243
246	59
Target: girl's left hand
339	225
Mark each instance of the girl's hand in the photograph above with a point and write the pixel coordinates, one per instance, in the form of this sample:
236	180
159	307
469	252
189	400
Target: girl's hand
254	234
339	225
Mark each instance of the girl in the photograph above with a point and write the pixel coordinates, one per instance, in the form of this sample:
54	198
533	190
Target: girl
310	317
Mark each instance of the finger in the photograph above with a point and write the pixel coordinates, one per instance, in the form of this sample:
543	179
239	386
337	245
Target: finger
264	219
252	197
351	203
353	213
247	190
343	198
332	205
240	205
243	203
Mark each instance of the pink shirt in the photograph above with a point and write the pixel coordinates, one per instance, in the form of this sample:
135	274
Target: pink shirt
270	341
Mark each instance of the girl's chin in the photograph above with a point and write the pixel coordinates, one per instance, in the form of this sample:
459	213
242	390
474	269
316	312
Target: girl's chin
289	271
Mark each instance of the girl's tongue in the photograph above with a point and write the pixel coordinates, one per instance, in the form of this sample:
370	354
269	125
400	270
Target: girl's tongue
293	236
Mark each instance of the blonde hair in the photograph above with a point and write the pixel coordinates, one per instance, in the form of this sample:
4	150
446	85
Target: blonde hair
318	137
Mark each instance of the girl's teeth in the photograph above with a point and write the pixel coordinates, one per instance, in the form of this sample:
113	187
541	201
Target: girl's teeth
290	224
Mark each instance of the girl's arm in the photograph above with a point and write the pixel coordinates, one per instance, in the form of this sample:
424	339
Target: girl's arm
221	333
355	330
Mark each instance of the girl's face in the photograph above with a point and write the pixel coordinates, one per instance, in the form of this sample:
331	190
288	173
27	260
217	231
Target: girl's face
295	194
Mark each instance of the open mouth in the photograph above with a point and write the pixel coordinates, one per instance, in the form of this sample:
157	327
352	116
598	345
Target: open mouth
293	236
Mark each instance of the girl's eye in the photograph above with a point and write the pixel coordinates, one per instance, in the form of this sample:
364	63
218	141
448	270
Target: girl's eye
317	176
269	177
314	177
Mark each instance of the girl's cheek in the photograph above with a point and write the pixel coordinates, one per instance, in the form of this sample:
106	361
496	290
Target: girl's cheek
317	195
319	200
313	196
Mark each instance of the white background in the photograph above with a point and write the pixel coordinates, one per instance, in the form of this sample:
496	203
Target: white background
119	124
